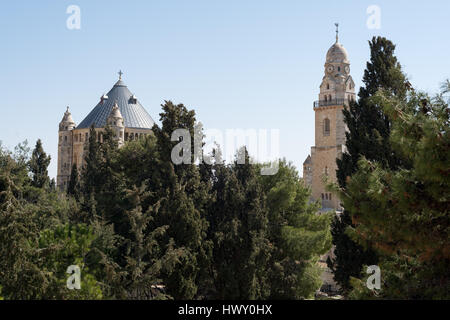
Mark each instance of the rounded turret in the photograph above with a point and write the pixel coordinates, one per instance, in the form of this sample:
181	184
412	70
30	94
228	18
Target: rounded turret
115	121
337	87
67	122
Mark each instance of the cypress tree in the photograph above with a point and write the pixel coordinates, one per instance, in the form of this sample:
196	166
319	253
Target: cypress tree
239	229
73	187
368	135
91	173
184	200
38	165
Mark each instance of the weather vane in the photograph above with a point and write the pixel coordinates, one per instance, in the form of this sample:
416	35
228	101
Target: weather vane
337	31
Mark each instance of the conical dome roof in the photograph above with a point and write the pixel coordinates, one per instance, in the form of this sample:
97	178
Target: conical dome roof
67	118
115	112
337	53
133	113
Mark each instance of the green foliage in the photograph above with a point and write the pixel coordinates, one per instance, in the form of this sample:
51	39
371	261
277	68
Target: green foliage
59	248
38	166
239	230
144	257
140	227
36	248
183	199
74	185
349	255
368	135
92	177
404	213
297	233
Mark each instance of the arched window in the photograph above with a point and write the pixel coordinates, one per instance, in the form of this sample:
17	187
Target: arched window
328	86
326	127
326	98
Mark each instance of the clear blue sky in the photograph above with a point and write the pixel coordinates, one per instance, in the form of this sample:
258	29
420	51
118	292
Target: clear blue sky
239	64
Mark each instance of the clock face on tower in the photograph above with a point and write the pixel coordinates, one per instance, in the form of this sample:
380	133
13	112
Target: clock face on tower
330	69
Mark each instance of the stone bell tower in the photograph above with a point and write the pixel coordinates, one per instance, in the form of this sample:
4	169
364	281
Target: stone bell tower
65	149
336	90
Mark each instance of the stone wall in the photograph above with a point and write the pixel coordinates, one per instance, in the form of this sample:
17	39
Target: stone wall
71	148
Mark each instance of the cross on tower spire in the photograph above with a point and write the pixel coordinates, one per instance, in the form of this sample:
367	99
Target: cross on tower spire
337	32
120	74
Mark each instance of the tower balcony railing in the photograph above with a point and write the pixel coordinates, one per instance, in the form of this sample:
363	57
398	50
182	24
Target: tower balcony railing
332	102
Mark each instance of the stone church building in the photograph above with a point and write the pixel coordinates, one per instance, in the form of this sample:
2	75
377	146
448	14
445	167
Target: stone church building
119	108
336	90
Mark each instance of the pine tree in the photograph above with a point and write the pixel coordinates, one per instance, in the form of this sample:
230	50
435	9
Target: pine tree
38	165
404	212
368	135
298	235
